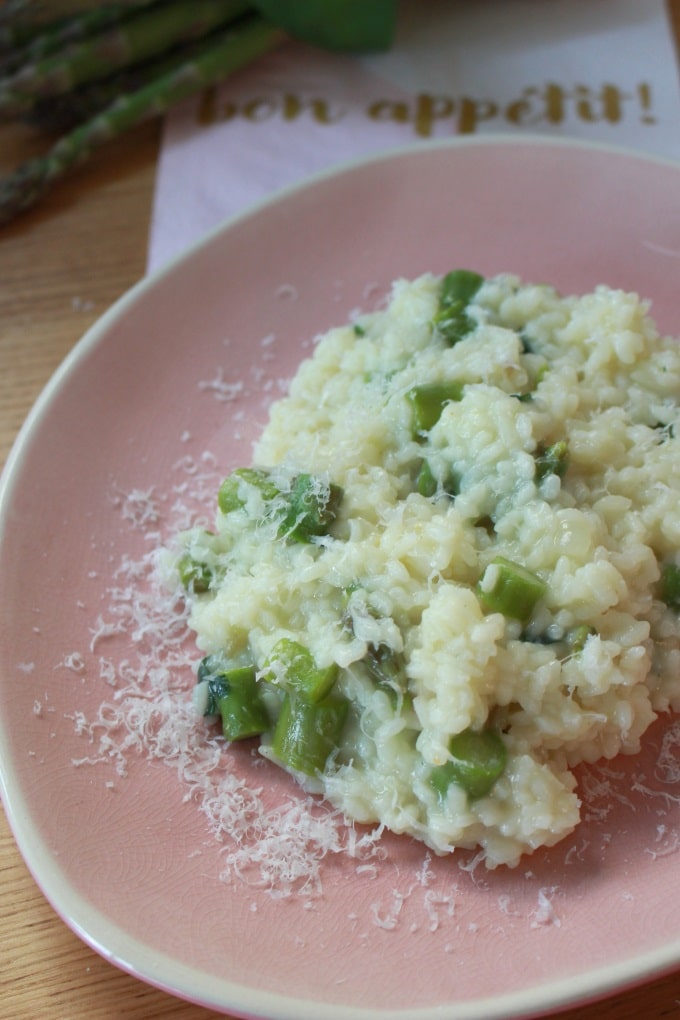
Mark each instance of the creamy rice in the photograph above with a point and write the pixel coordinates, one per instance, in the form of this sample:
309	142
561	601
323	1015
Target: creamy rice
405	566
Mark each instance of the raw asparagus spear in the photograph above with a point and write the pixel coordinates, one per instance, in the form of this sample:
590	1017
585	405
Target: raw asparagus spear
131	41
22	43
221	55
64	112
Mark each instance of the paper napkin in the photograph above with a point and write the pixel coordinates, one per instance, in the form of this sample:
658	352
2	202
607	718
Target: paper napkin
602	70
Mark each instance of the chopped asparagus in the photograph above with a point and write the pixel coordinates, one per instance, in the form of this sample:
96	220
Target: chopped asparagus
292	666
304	511
552	460
230	496
670	586
510	589
426	483
312	506
306	734
576	638
458	288
232	692
194	576
477	760
427	403
386	669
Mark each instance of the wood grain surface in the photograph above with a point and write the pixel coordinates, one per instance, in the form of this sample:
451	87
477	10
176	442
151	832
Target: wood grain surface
61	266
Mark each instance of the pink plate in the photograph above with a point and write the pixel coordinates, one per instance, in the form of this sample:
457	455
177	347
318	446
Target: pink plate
186	363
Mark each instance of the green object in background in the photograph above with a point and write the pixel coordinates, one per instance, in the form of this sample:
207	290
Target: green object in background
352	25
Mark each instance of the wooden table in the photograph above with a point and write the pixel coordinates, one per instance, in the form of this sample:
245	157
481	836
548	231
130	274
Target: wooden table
61	266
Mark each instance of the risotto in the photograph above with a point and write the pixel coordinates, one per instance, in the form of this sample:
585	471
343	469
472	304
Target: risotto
452	573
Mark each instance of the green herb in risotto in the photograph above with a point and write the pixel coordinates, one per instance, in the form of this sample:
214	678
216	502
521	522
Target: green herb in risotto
452	573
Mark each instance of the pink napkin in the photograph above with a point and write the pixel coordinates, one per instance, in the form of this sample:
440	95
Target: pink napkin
601	70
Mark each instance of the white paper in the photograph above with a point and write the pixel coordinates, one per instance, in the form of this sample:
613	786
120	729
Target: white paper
600	70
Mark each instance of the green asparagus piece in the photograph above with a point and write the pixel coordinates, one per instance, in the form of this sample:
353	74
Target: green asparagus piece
208	674
477	760
243	714
386	669
292	666
306	734
510	589
670	586
457	290
427	403
576	638
194	576
305	511
133	40
230	496
552	460
220	56
426	483
233	694
312	506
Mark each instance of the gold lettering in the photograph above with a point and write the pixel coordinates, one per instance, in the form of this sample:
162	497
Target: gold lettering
537	106
473	111
596	106
389	109
549	103
259	109
611	103
207	112
428	109
526	109
423	112
320	110
645	95
554	103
